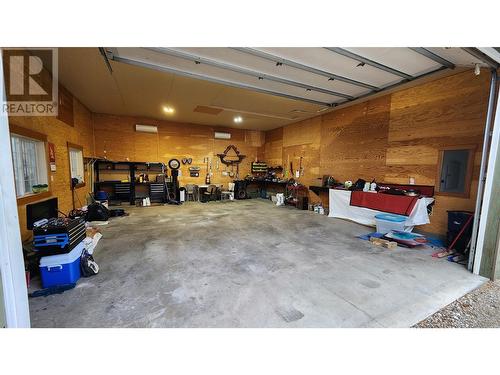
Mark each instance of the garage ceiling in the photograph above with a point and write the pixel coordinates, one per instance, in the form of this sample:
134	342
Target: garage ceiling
267	87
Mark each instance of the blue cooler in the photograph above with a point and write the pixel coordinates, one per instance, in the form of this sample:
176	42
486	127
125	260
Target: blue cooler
388	222
61	269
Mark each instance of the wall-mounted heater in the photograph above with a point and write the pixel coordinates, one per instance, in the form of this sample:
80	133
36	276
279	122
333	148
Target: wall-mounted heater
146	128
222	135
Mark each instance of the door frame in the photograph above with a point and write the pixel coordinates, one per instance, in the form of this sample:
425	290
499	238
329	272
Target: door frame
491	57
15	293
488	189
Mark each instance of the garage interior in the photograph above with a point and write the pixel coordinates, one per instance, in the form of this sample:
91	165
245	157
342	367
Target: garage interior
250	187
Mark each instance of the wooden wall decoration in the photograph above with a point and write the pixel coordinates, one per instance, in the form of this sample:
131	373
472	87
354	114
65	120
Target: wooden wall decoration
225	157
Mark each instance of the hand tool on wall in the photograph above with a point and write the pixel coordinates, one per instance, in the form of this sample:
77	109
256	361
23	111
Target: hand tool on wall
207	177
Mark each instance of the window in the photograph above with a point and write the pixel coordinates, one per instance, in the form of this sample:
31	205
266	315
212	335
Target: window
30	165
76	163
455	171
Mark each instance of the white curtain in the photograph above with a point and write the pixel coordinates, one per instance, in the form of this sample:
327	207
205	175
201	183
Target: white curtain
76	161
28	156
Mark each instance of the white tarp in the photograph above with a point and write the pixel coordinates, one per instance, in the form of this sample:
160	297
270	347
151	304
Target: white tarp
91	242
340	207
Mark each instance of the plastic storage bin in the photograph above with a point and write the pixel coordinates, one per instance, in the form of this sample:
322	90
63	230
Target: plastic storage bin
61	269
387	222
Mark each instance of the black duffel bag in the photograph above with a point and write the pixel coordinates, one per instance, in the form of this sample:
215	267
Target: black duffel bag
97	212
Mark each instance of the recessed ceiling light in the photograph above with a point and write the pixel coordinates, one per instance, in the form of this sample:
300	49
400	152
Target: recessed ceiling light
168	109
238	119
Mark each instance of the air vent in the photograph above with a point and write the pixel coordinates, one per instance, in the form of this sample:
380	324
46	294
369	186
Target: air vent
146	128
222	135
207	110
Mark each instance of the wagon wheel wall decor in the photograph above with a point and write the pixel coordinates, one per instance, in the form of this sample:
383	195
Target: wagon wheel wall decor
226	159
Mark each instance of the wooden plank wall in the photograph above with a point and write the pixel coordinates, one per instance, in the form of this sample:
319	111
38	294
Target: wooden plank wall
60	133
447	112
392	138
303	139
271	151
174	140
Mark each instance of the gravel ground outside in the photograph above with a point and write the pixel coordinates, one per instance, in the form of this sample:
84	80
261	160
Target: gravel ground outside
478	309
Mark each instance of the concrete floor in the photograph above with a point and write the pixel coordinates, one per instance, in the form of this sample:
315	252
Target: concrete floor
250	264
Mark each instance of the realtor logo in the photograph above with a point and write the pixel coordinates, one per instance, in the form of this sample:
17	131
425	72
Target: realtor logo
31	77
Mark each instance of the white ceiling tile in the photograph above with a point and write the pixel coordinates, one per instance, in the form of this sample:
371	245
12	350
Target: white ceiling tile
258	64
231	77
403	59
321	58
457	56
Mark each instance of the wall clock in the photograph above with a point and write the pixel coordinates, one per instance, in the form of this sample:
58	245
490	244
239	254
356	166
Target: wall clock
174	164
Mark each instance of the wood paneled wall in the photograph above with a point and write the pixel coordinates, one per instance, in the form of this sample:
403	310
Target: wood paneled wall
355	140
392	138
272	150
447	112
59	133
116	139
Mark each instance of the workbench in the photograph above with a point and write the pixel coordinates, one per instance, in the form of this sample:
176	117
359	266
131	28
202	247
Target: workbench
264	185
121	184
340	207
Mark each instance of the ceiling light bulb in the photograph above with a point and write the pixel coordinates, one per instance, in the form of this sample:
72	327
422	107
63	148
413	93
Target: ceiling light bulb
238	119
168	109
477	69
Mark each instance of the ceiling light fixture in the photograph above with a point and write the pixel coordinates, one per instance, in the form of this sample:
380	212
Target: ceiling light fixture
238	119
168	109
